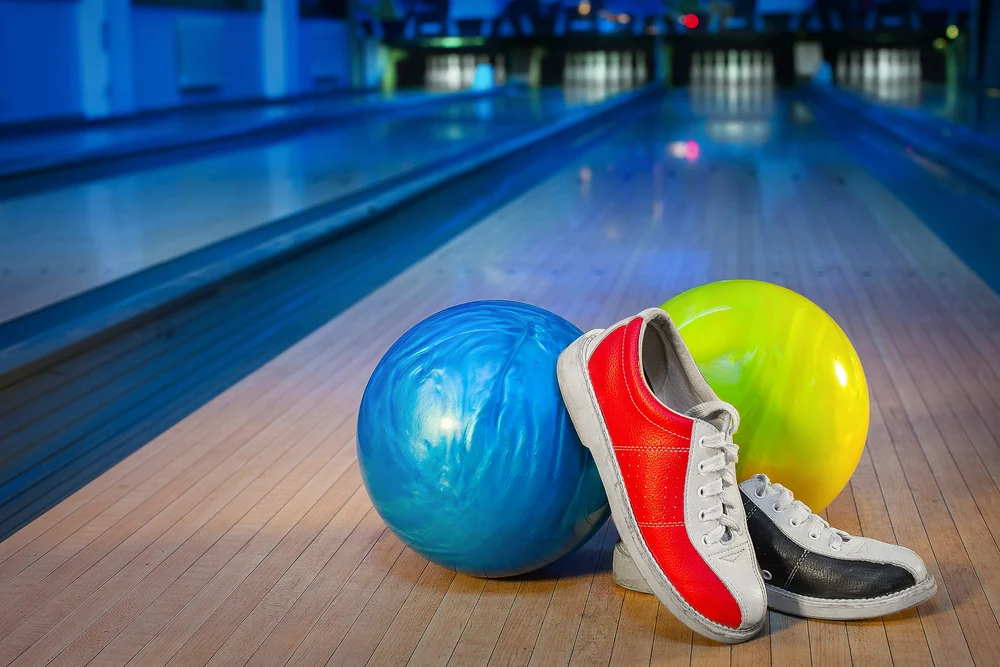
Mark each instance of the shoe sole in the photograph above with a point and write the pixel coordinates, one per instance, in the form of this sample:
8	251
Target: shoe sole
581	403
626	574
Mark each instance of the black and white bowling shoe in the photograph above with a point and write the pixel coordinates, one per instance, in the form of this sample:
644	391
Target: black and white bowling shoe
811	569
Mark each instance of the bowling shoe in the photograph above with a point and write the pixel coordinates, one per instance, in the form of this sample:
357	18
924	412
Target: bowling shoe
812	569
663	445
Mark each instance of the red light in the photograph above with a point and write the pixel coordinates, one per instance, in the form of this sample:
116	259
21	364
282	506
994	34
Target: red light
690	21
691	149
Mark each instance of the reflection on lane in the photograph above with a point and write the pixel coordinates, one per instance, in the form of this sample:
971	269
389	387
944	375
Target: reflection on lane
977	110
62	242
53	145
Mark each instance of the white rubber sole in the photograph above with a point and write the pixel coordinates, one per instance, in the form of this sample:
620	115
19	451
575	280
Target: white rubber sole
627	575
578	394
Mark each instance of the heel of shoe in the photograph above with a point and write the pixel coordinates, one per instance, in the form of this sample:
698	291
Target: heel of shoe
574	385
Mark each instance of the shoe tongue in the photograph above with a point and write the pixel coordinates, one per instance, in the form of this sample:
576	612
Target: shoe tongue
719	414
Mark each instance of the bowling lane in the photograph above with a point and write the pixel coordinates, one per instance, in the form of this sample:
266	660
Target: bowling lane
31	150
695	190
973	109
977	110
698	189
967	108
58	243
958	129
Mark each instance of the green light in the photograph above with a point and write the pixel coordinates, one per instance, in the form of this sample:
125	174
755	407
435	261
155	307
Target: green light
951	31
939	44
454	42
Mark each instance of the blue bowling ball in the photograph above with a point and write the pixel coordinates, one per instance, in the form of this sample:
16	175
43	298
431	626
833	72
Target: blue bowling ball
465	446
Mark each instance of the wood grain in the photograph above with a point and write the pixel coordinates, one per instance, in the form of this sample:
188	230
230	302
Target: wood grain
243	534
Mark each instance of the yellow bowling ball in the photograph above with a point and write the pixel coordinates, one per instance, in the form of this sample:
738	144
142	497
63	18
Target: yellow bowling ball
793	375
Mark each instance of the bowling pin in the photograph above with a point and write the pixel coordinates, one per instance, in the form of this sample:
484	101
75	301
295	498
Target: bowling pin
745	71
841	67
627	71
696	71
589	66
640	68
453	75
768	67
868	70
614	69
468	69
855	68
601	75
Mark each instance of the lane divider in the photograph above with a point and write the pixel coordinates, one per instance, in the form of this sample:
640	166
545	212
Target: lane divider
43	165
44	337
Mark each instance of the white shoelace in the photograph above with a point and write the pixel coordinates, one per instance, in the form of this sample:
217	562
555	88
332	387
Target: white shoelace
800	512
722	468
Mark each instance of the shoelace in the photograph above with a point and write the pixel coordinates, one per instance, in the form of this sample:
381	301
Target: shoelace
722	467
800	512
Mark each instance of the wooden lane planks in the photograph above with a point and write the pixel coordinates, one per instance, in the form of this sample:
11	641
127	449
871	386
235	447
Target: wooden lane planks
323	638
231	415
290	562
325	391
424	304
814	243
930	473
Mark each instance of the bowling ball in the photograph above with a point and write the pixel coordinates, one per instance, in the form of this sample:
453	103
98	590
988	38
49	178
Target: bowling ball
793	375
465	445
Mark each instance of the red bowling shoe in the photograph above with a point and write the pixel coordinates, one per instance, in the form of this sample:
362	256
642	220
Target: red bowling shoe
663	444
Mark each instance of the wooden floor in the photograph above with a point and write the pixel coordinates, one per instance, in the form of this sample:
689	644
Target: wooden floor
243	534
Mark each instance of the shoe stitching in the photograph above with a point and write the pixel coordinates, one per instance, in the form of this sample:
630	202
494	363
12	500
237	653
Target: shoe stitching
700	618
805	552
736	593
660	524
646	448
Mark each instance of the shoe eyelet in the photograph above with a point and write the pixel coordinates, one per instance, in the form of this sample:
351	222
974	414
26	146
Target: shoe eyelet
701	515
701	467
766	575
835	548
701	441
815	537
760	495
704	540
775	508
791	522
